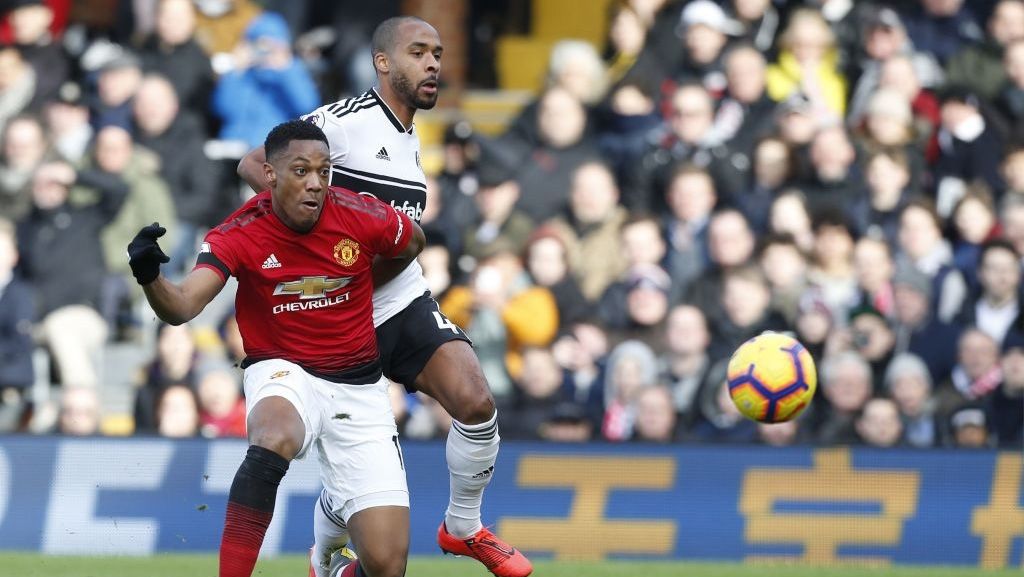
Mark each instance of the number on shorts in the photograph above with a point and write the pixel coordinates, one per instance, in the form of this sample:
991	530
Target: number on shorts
444	323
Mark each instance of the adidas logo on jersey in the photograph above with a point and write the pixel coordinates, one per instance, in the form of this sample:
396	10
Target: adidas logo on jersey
272	262
382	154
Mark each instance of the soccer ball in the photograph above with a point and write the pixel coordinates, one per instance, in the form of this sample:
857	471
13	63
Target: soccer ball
771	378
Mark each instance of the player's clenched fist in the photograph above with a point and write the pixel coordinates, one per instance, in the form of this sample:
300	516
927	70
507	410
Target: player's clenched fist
144	254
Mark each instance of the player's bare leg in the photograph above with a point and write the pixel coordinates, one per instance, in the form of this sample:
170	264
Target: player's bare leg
453	377
276	434
381	538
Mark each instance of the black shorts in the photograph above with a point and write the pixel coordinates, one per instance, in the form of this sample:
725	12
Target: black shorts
408	339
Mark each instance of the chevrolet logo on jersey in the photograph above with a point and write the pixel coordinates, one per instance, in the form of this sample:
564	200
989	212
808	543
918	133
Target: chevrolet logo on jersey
311	287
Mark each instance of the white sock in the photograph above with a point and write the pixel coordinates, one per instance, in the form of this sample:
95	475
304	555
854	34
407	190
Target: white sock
329	534
471	451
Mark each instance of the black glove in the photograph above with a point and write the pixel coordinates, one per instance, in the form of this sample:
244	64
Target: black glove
145	255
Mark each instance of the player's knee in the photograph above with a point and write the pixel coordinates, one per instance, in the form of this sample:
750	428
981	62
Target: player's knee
276	440
476	409
384	563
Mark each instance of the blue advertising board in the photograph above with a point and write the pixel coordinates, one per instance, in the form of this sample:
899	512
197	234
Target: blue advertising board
139	496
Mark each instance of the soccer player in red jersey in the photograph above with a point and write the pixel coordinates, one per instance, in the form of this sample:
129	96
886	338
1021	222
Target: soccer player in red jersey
303	253
375	151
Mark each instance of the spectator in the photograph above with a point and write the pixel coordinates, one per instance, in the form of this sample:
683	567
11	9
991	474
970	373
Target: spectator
1012	171
632	367
846	385
922	246
910	384
774	166
502	313
969	149
593	224
730	244
58	241
581	351
899	73
879	425
890	124
785	268
832	271
976	375
1011	216
782	434
173	53
980	65
17	314
745	301
175	363
626	122
969	428
705	30
888	180
221	406
655	416
834	178
870	335
563	147
176	136
721	421
547	262
1009	101
691	197
796	124
221	24
177	412
118	79
874	268
808	63
760	22
974	222
17	84
634	307
627	32
537	394
267	85
917	329
685	362
24	149
30	25
942	27
1007	407
498	222
814	323
568	423
435	260
67	123
79	412
789	215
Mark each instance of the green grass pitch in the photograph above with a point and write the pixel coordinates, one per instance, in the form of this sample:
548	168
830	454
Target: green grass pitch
35	565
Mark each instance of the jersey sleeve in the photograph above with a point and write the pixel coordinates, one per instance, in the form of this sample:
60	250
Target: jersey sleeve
217	253
395	233
337	137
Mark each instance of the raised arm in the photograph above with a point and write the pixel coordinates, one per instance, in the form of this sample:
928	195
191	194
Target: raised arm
385	269
174	304
250	169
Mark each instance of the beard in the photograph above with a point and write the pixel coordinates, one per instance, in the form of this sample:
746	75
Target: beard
409	93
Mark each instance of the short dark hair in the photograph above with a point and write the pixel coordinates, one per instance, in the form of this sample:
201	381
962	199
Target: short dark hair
994	244
384	35
282	134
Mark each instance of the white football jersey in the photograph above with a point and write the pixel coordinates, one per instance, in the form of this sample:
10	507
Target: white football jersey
372	153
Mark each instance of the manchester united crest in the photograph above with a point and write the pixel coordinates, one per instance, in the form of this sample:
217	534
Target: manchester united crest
346	252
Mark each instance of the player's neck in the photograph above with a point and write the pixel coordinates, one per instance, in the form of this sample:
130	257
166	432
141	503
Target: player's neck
403	112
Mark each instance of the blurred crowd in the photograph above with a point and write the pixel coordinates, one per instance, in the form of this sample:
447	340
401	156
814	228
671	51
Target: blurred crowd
852	172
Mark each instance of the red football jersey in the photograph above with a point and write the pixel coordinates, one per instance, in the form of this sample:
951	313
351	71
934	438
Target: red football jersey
307	298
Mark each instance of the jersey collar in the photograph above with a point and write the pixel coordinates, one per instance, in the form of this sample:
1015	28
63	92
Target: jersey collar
391	115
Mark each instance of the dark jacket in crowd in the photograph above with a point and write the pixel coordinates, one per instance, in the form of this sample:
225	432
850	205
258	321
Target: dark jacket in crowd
17	311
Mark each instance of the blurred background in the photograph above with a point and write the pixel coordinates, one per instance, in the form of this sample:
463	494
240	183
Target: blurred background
620	193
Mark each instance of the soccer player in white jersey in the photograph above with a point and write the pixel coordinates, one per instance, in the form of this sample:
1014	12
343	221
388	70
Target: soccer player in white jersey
375	150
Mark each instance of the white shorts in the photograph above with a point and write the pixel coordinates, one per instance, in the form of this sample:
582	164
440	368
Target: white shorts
361	464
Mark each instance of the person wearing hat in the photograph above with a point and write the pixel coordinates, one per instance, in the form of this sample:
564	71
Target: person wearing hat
969	428
67	117
497	221
267	86
118	79
705	30
917	330
981	65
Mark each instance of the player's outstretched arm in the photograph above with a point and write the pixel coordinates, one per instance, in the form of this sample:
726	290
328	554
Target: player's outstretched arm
250	169
174	304
385	269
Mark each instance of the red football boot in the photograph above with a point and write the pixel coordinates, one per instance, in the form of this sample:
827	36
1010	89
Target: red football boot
498	556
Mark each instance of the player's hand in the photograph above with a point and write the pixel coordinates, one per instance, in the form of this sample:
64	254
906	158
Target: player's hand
145	255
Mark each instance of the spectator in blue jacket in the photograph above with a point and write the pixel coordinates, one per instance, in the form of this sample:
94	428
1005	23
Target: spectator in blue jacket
17	311
267	86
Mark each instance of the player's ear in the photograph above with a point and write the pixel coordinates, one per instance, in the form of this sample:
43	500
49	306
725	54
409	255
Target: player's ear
270	174
381	63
